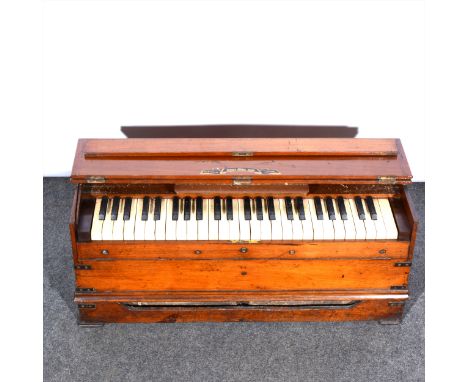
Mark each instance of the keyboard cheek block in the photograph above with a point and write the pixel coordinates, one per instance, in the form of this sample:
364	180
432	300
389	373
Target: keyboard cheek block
178	230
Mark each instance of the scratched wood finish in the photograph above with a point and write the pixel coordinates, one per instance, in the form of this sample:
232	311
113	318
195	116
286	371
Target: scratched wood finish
353	160
270	278
255	297
151	275
157	147
197	250
372	309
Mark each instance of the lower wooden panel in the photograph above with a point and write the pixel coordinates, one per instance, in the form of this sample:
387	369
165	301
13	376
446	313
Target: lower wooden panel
349	310
196	250
228	275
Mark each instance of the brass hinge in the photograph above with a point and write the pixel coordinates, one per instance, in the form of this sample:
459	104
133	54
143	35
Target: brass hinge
86	306
241	181
85	290
399	287
396	303
95	179
82	267
403	264
386	179
242	154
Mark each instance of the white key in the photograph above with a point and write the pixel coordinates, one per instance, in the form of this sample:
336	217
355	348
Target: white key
244	225
387	216
234	229
317	225
171	225
213	225
307	227
202	225
96	227
371	232
379	223
285	223
139	223
223	224
160	225
255	224
328	228
150	225
181	230
108	224
192	233
338	225
359	225
296	223
129	225
265	224
118	230
276	226
350	229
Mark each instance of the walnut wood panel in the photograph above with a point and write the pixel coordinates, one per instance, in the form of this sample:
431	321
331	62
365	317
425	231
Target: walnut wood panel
410	212
296	147
197	250
378	309
151	275
136	161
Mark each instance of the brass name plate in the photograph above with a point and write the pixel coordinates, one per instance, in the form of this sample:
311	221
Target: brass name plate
227	170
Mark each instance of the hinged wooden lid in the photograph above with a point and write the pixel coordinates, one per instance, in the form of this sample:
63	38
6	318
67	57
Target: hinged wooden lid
226	160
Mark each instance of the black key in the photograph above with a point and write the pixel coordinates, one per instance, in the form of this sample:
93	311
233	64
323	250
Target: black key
229	210
115	208
103	209
271	208
318	208
300	208
289	208
371	207
360	208
217	208
247	209
199	214
259	207
342	208
175	208
144	210
187	207
127	208
157	208
330	208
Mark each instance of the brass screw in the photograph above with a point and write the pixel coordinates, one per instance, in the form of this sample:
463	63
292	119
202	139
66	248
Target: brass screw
243	250
292	252
383	251
197	252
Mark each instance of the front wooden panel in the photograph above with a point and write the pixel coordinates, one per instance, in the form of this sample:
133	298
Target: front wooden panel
224	250
179	275
371	309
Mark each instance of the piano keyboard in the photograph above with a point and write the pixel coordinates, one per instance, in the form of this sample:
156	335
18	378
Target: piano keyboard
246	219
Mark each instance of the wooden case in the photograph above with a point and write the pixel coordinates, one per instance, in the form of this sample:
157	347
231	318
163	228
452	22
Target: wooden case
181	281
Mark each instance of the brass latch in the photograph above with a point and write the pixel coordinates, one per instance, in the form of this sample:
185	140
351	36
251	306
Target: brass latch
95	179
386	179
242	154
241	181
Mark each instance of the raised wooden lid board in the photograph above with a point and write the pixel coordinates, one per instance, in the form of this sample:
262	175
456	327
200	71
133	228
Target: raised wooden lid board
231	160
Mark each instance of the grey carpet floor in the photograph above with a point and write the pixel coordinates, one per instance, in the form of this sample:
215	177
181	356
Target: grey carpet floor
362	351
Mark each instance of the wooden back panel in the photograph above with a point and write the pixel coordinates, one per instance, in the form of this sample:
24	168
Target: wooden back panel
254	160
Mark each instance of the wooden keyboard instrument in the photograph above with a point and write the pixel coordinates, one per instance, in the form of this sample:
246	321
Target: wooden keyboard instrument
257	229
